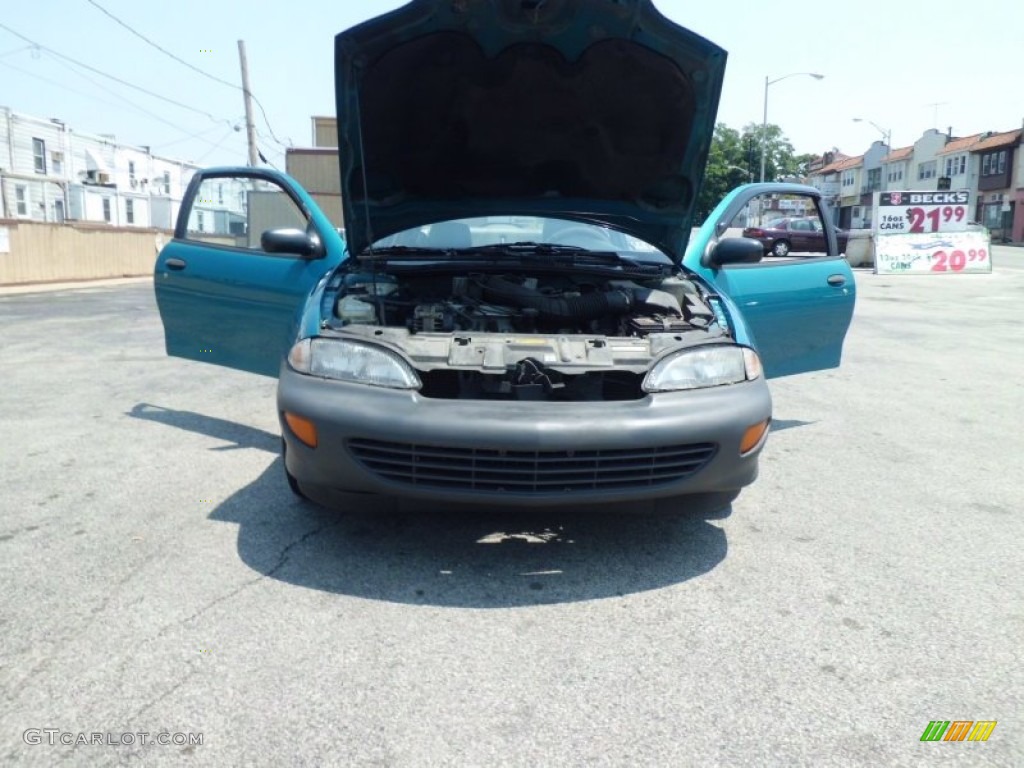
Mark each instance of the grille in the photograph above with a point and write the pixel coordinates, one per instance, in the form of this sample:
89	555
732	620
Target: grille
476	469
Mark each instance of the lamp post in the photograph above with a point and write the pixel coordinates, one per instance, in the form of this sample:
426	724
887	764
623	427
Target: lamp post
764	122
750	175
887	135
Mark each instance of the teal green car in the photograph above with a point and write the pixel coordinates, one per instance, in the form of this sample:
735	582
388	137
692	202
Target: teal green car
518	312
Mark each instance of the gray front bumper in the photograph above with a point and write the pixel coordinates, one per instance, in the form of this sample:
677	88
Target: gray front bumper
342	412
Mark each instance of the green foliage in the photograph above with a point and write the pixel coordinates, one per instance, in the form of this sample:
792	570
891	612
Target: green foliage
735	159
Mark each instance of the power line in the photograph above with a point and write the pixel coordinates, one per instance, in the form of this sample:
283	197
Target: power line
119	97
98	100
197	135
114	77
264	136
16	50
55	83
215	146
191	66
160	48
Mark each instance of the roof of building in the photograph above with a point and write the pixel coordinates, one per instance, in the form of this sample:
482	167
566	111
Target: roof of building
818	163
898	154
843	164
996	140
960	145
850	162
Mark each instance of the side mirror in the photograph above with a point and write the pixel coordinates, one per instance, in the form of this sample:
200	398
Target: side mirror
296	241
736	250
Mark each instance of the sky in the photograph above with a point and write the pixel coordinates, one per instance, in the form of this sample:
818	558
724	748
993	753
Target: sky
905	66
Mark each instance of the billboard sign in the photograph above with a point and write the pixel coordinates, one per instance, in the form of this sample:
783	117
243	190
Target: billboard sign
920	253
918	212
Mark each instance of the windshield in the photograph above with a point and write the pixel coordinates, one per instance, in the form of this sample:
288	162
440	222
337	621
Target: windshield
498	230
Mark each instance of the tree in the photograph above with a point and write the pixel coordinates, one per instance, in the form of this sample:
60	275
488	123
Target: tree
728	167
735	159
803	161
779	156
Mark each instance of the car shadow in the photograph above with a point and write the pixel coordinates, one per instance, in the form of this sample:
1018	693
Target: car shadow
780	424
469	557
452	556
238	435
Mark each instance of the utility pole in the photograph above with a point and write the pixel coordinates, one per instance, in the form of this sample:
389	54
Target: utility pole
250	126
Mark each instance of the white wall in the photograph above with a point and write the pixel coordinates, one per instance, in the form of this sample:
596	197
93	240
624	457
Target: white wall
931	141
73	163
5	146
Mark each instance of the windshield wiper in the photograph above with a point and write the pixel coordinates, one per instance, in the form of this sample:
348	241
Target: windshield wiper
524	251
511	248
553	253
528	245
575	256
404	249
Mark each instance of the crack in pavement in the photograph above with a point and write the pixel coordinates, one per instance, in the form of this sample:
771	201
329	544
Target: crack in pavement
89	621
282	560
192	672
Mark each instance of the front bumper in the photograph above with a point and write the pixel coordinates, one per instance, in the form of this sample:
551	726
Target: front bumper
469	443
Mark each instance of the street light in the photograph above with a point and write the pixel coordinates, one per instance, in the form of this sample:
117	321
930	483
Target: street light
750	176
887	135
764	122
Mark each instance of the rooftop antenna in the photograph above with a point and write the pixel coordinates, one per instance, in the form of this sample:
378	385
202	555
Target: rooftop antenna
935	111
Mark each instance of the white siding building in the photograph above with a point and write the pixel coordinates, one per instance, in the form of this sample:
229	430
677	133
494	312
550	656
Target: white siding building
48	172
896	168
924	165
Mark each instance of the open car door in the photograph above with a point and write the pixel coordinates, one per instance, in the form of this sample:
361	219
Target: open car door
249	246
797	308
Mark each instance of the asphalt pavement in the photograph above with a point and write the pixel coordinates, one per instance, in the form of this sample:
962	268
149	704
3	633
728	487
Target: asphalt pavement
159	578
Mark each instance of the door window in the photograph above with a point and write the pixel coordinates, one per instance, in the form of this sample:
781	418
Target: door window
787	226
235	211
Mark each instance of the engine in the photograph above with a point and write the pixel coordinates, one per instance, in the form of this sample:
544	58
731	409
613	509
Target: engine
511	303
513	336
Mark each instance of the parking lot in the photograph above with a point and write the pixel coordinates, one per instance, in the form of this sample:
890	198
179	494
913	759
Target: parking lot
159	576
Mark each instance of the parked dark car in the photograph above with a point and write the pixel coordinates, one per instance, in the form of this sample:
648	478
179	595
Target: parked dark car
801	235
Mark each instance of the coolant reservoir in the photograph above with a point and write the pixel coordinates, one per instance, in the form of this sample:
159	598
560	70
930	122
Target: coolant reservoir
352	310
381	285
679	287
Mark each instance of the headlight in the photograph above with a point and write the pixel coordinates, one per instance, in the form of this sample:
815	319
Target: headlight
352	361
699	367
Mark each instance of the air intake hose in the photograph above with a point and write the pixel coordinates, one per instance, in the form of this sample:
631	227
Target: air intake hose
585	307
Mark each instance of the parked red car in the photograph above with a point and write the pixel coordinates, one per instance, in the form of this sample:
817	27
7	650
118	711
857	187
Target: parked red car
800	235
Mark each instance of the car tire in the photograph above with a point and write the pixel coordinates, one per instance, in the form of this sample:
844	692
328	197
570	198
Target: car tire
780	248
293	484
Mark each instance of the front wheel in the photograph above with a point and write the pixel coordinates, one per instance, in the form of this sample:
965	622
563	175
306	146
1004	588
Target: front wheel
780	248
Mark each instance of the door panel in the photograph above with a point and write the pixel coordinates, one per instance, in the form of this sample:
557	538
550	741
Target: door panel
224	300
798	308
798	317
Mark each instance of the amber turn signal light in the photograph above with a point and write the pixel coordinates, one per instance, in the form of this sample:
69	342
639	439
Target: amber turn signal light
304	429
753	436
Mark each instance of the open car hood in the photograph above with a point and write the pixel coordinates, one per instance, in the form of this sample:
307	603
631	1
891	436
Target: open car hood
599	111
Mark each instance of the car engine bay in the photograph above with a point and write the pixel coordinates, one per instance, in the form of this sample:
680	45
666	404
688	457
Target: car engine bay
509	335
